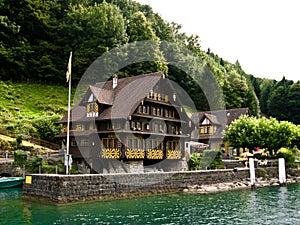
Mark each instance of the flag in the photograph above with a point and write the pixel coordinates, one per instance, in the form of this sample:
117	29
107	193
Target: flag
68	74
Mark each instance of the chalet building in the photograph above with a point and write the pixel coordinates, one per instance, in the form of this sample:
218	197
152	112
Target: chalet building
128	125
212	125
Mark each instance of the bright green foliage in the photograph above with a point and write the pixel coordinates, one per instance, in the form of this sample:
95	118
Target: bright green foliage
5	146
209	159
194	161
20	158
49	166
32	165
93	29
242	133
31	109
45	127
250	132
289	157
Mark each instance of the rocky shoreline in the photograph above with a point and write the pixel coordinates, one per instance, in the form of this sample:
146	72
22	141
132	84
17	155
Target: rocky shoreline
243	184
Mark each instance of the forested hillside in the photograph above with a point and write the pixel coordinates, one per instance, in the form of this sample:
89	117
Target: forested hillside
36	37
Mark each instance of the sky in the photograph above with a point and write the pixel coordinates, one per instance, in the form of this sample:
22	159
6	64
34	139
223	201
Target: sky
263	35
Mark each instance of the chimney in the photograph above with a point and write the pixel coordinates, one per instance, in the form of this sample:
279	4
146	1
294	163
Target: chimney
115	80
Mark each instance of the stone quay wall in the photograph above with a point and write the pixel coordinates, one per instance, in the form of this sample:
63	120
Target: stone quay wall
72	188
7	169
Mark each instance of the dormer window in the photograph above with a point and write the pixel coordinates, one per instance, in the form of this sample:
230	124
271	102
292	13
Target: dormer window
92	109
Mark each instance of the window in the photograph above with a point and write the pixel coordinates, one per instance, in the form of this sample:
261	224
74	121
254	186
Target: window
158	111
215	129
135	143
166	113
146	109
161	128
84	142
155	128
138	125
116	125
78	126
140	109
92	126
146	126
132	125
173	145
92	109
73	142
153	111
172	113
109	126
206	130
158	97
65	127
166	98
110	142
149	144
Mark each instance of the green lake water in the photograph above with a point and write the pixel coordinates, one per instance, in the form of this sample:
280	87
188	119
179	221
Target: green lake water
271	205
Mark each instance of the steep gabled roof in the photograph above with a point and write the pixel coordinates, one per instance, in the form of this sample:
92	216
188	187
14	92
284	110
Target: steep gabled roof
121	101
223	117
220	117
103	96
212	118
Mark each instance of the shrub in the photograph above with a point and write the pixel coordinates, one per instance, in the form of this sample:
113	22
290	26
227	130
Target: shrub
289	157
20	158
194	161
46	128
5	145
34	163
19	140
212	159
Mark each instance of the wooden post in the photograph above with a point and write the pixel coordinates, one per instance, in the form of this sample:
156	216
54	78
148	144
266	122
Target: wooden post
252	173
23	170
281	171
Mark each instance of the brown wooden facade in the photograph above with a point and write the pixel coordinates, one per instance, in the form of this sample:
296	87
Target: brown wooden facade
130	119
212	125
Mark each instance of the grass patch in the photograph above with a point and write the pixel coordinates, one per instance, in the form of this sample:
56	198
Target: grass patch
24	103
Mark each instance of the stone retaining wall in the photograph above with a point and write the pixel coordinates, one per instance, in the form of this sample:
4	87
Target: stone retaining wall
7	169
63	188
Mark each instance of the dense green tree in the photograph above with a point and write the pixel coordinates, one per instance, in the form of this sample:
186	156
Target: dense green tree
242	133
93	30
277	101
250	132
45	127
36	38
293	103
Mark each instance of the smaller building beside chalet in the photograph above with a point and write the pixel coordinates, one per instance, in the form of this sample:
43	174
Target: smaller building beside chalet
212	125
128	125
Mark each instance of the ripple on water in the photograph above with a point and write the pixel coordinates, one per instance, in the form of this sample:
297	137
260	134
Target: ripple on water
273	205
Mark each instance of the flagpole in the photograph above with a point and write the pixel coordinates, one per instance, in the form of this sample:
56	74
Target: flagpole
69	113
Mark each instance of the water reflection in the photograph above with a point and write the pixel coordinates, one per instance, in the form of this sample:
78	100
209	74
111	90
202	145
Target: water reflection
275	205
